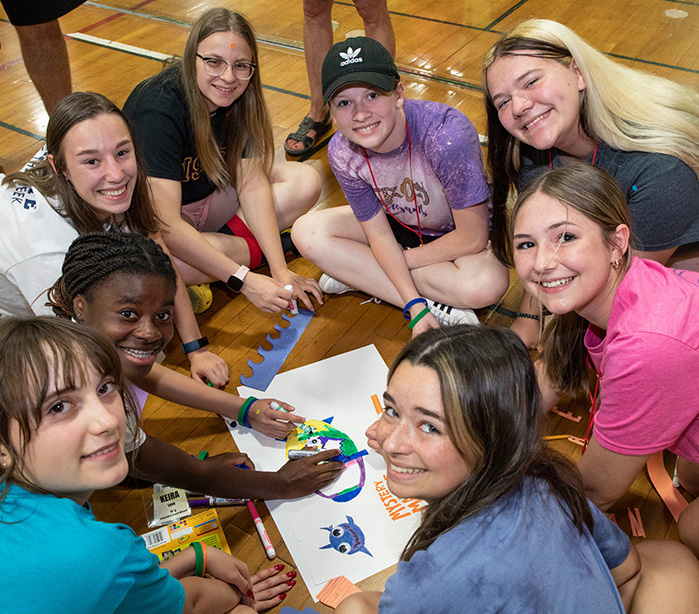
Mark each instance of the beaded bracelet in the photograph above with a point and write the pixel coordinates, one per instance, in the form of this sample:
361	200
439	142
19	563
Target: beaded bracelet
418	317
199	559
529	316
245	410
415	301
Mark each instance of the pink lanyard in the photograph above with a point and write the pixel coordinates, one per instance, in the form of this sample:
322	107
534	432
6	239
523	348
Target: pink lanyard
594	155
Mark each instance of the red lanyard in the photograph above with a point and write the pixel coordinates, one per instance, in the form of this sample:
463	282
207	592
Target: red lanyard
593	408
412	187
594	155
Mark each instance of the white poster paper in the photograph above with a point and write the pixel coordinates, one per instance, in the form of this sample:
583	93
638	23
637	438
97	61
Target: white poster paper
328	537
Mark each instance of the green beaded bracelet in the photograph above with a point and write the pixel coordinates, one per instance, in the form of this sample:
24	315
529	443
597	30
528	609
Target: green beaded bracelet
418	317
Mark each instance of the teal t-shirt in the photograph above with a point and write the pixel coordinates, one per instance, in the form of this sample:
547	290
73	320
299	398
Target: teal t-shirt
58	558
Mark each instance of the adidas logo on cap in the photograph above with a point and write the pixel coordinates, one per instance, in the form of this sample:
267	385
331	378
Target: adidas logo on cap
350	57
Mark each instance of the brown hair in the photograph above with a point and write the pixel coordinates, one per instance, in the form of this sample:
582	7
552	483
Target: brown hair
248	126
70	111
594	193
34	352
492	412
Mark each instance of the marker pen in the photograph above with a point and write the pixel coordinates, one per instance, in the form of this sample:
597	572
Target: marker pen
215	502
275	406
293	306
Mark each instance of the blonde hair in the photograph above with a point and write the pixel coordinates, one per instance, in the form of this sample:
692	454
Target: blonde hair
247	127
617	107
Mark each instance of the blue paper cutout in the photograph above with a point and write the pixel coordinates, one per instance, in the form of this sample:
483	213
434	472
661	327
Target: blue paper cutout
346	538
272	360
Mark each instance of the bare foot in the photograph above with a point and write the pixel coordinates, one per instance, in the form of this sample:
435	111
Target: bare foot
296	145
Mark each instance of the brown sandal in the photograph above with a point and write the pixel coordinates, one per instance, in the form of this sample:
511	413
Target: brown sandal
301	135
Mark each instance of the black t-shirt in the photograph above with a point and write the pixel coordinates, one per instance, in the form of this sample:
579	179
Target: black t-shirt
159	117
34	12
662	192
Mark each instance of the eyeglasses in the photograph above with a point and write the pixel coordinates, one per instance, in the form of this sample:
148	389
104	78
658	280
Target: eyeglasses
215	67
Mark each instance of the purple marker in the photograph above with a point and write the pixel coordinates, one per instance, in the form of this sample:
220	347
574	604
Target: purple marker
216	502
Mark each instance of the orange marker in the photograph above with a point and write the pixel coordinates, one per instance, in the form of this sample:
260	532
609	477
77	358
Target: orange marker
377	404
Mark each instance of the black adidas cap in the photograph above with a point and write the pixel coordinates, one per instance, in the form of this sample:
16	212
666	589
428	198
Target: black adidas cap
358	60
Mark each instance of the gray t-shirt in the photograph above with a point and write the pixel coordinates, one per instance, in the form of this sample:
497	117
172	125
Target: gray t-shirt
521	555
662	192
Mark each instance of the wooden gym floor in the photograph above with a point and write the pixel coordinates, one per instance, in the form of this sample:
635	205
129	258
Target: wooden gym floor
440	44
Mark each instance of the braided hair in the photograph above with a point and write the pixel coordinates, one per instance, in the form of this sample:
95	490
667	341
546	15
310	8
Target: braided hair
94	257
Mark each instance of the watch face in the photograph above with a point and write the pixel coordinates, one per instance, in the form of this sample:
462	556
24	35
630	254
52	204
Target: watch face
234	283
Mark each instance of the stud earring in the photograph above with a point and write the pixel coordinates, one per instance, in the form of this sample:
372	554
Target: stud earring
4	465
616	264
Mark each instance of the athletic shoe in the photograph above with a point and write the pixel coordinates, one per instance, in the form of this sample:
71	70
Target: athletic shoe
288	246
449	316
331	286
201	297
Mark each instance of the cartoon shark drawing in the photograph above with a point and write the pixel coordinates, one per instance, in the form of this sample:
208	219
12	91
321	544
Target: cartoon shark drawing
346	538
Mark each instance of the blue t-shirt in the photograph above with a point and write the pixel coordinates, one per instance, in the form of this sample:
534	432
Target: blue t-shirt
58	558
521	555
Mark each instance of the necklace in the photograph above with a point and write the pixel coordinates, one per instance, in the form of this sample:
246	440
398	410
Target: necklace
418	232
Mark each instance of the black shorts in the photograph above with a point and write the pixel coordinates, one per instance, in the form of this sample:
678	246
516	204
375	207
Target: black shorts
34	12
407	238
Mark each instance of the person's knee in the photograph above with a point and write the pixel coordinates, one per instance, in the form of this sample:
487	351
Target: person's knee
669	574
688	475
371	11
41	34
317	9
688	527
303	188
304	233
486	285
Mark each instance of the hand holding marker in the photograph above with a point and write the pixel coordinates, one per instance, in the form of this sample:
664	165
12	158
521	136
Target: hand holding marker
293	305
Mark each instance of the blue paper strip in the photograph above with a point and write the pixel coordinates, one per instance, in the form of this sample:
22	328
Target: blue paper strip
272	360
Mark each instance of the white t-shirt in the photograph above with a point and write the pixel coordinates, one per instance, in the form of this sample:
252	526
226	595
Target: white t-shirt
34	241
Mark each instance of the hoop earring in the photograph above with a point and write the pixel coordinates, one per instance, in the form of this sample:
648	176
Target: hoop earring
616	264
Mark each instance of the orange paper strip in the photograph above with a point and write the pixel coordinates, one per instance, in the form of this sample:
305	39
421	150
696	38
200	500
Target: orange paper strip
637	529
336	590
377	404
662	482
568	416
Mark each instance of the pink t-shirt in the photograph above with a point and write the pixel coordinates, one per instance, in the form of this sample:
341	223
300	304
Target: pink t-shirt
649	363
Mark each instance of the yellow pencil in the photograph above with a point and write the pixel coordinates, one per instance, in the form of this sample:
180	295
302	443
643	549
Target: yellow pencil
551	437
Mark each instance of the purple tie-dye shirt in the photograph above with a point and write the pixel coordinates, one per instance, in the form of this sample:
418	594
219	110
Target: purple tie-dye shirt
447	169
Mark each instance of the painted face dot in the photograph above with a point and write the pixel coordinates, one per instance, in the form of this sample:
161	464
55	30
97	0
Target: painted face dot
232	45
